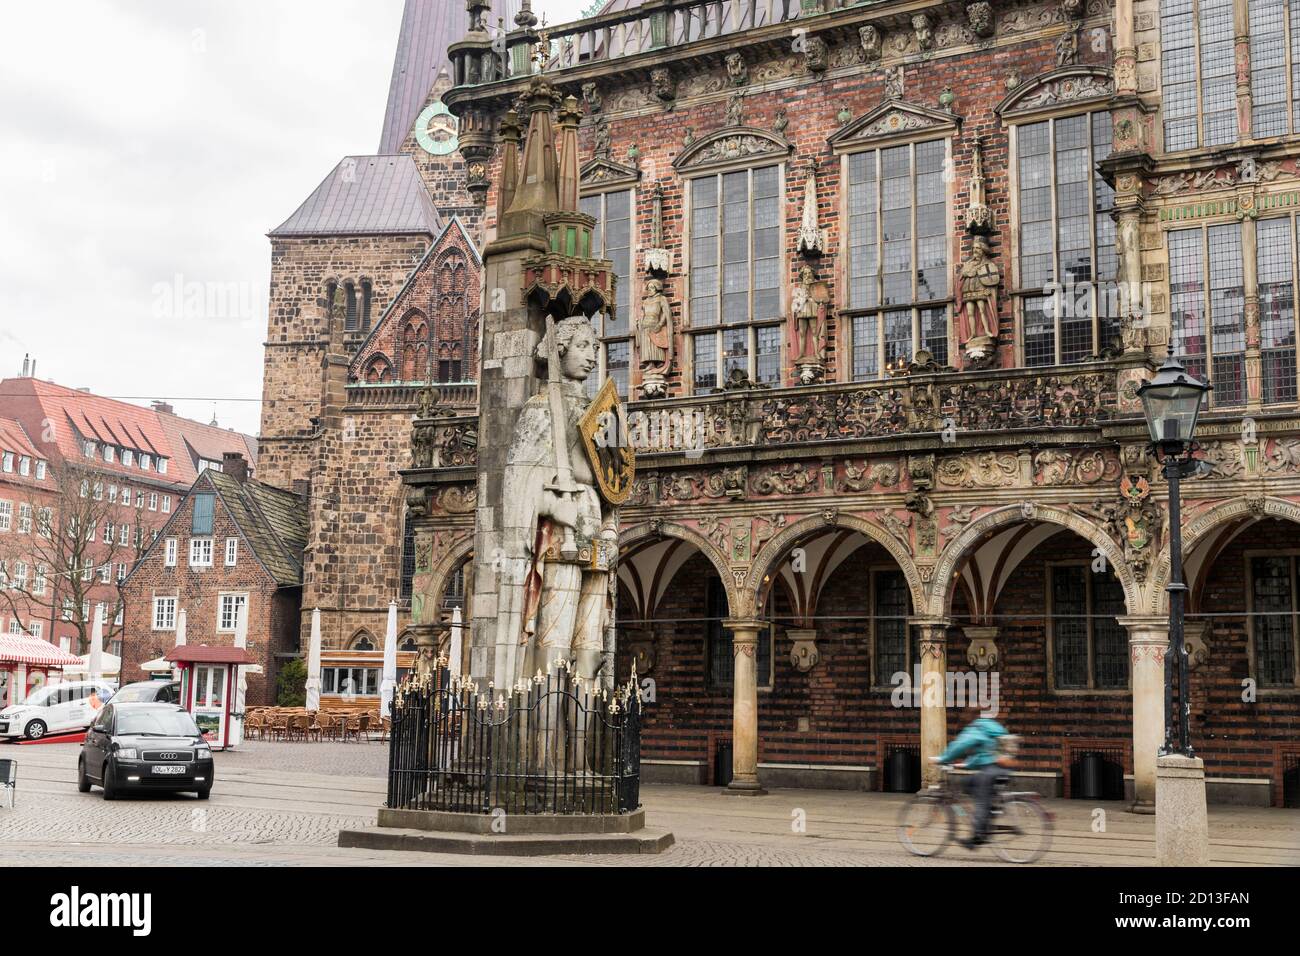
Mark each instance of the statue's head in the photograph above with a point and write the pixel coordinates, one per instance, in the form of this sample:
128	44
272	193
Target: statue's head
654	287
806	274
575	340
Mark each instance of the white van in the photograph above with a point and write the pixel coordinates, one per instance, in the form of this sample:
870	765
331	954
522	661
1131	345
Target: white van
55	708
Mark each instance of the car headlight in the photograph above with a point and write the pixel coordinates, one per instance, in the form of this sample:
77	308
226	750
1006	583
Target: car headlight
128	753
203	752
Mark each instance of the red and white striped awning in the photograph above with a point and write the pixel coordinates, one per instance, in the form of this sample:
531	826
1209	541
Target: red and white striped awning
24	649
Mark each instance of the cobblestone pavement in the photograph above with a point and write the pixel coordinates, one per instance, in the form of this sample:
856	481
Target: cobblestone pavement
284	803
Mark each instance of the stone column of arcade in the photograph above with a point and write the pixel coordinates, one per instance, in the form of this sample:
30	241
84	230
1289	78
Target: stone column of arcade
744	720
1148	639
933	649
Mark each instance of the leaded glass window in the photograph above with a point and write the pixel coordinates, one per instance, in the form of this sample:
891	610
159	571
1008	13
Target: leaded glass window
1273	248
612	239
898	256
1273	619
891	604
1089	645
1197	69
735	272
1207	294
1069	299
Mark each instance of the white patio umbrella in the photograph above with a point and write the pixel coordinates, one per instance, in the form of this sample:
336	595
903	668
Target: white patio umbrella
180	641
96	662
453	664
389	683
313	663
241	685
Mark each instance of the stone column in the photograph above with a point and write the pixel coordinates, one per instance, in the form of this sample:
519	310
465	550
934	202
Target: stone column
1148	639
744	719
1250	287
1241	57
933	650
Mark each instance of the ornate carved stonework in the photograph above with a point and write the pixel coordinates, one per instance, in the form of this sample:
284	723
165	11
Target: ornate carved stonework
784	480
663	85
980	17
737	69
869	477
1135	521
1056	467
730	144
1066	85
816	55
869	42
591	98
889	119
923	29
456	500
959	517
983	470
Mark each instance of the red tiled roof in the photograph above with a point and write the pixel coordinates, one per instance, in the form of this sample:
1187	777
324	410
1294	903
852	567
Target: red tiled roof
13	437
69	414
205	654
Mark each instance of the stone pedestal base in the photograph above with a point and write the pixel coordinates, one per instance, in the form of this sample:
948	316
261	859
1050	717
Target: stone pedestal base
1182	828
743	789
1142	807
483	834
810	372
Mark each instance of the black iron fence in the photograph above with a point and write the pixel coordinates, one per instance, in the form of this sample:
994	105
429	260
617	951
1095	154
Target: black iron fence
552	744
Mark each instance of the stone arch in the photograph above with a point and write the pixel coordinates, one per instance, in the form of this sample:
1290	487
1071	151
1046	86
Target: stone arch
773	552
1201	528
1074	85
942	585
360	635
377	369
461	550
671	529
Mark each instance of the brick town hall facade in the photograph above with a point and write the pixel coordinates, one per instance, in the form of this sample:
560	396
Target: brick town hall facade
889	275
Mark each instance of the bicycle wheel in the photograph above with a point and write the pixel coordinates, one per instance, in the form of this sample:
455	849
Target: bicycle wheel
926	824
1023	832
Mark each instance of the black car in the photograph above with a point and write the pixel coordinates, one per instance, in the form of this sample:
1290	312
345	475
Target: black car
145	746
150	691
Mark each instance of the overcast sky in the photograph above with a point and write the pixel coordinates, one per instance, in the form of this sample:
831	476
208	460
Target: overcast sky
146	148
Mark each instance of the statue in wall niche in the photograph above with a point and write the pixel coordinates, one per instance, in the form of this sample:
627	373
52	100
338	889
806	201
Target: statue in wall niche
1067	48
870	40
654	339
735	110
810	302
592	98
600	148
977	301
558	508
894	84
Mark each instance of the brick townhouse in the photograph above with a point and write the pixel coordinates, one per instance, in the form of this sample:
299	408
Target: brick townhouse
86	459
232	543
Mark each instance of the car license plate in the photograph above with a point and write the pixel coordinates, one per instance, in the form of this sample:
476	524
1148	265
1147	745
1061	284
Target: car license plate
176	768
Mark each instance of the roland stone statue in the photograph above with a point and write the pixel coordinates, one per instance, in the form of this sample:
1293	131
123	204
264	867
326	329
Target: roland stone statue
557	496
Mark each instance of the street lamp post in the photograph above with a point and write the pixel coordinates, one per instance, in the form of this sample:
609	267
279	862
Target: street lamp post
1172	402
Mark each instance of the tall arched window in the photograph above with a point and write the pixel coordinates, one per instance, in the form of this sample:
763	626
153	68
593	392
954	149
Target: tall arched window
415	348
454	326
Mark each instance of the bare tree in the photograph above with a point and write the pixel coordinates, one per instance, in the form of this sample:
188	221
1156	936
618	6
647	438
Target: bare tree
67	548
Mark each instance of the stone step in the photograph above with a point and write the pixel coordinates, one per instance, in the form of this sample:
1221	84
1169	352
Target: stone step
505	844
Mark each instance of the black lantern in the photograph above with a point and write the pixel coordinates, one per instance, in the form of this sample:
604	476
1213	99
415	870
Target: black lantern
1172	402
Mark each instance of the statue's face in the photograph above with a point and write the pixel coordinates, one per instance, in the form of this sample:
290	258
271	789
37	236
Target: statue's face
579	358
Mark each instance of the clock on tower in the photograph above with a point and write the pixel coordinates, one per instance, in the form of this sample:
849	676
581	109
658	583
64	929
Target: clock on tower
436	129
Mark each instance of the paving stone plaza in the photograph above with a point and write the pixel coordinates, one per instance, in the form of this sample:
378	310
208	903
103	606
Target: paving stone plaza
284	803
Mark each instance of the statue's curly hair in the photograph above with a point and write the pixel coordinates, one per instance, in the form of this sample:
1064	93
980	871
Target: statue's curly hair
565	330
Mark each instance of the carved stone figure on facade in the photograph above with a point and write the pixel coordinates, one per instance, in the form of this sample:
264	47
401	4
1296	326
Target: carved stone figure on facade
737	69
735	110
780	122
592	98
977	303
810	303
894	84
980	17
1128	253
817	55
563	526
663	86
979	217
812	238
924	32
658	260
600	146
1072	9
654	340
870	40
1067	48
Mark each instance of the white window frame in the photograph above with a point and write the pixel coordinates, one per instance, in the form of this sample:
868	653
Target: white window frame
164	613
153	501
628	310
228	603
170	551
232	552
24	518
200	552
166	504
40	470
6	515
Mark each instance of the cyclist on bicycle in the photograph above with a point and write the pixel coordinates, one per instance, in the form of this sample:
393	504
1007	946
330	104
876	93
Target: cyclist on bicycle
980	744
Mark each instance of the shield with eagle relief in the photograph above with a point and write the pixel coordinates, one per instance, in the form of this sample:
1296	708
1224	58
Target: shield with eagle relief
604	436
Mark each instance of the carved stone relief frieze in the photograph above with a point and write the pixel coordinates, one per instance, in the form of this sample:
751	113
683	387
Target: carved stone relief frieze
983	470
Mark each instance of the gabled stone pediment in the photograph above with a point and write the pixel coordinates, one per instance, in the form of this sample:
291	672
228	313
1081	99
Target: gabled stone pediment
890	120
731	145
1065	86
601	172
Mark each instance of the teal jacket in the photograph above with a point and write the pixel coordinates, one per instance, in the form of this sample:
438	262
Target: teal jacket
978	744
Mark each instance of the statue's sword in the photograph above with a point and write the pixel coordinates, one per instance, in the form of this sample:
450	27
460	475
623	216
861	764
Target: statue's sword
563	484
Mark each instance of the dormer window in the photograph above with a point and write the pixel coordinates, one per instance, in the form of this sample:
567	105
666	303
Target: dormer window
128	457
108	454
144	462
162	466
88	448
24	466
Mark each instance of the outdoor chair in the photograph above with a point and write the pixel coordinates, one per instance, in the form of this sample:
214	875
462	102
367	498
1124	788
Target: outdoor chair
278	726
352	728
298	726
253	725
9	779
386	726
363	730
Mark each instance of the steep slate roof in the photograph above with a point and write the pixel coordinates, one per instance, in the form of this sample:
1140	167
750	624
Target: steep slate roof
428	28
272	521
367	196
